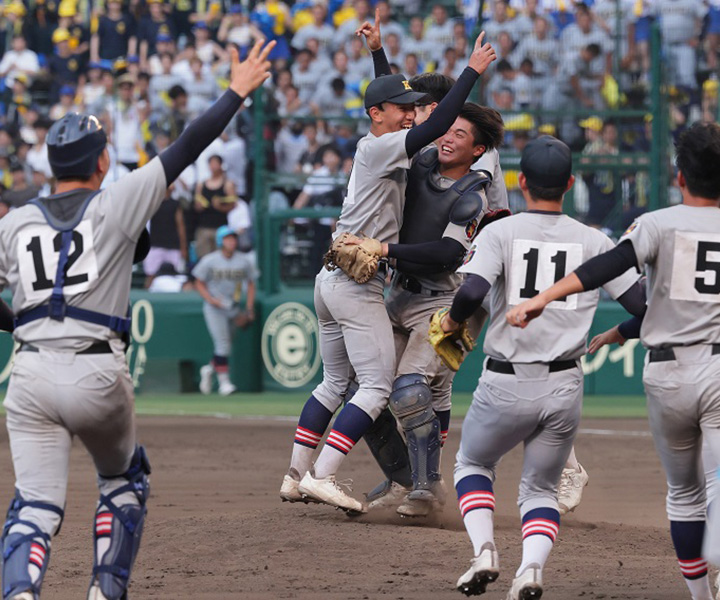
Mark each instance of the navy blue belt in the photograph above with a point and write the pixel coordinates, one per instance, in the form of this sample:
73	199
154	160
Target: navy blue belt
96	348
665	354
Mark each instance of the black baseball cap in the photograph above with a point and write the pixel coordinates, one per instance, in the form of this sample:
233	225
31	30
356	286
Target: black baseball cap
546	162
395	89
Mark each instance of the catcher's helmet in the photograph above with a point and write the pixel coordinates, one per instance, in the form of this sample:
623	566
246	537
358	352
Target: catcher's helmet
74	144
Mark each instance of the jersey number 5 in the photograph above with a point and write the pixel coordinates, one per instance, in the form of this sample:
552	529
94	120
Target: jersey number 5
696	267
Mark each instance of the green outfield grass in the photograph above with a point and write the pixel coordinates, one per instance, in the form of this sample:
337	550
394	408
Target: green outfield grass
289	405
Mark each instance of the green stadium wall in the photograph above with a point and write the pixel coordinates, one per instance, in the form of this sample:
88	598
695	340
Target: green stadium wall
280	350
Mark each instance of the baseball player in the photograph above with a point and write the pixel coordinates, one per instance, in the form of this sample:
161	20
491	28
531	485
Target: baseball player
220	278
67	259
355	331
530	390
678	247
384	440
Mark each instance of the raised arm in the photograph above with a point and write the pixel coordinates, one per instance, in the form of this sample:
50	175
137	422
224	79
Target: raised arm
245	77
374	44
447	111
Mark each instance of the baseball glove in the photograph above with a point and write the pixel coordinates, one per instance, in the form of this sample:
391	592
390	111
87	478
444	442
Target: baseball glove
450	347
358	260
492	216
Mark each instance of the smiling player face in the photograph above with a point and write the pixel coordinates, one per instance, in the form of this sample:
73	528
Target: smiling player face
457	146
398	116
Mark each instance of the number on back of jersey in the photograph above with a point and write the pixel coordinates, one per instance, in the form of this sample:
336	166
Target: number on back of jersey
535	266
696	267
38	255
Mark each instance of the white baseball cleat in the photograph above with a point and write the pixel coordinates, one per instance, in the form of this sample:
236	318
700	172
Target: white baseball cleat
289	489
227	388
389	494
570	489
23	596
328	491
484	569
206	379
528	586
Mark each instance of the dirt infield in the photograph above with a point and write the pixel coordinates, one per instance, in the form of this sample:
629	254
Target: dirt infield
217	528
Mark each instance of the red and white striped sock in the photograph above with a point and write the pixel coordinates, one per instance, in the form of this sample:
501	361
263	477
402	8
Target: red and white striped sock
539	530
303	449
476	501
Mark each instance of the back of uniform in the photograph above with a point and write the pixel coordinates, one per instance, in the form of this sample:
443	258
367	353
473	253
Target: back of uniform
679	248
523	255
97	275
531	387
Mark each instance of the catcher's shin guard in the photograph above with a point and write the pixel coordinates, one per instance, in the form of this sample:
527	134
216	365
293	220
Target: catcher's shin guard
411	401
26	549
118	529
389	449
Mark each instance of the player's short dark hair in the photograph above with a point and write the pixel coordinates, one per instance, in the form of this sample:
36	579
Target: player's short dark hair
542	193
698	156
488	127
435	85
176	91
594	49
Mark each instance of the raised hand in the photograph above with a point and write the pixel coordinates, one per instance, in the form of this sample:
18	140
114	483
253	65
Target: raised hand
247	76
611	336
371	33
482	55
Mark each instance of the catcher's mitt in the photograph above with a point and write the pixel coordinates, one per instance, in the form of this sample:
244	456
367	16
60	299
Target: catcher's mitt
450	347
359	261
492	216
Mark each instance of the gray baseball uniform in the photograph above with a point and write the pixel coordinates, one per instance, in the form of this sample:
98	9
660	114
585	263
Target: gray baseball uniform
226	279
679	24
680	249
56	390
531	387
355	331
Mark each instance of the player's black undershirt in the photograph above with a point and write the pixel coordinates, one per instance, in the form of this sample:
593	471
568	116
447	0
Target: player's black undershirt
6	317
469	297
630	329
198	135
444	114
607	266
435	257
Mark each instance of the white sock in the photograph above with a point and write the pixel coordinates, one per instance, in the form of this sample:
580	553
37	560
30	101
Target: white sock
328	462
572	461
479	525
223	377
301	459
536	549
700	588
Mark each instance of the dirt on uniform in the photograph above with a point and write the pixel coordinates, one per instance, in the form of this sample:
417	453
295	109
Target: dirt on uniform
217	528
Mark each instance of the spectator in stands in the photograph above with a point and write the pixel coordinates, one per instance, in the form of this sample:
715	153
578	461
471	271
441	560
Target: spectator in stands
339	69
304	76
37	156
418	44
214	199
292	105
38	30
360	65
561	14
152	25
237	29
602	141
168	239
393	49
638	34
500	21
325	185
19	61
161	82
318	30
127	120
290	145
70	18
542	49
115	35
332	101
64	66
66	104
4	205
20	191
450	66
40	180
439	32
235	160
411	66
311	157
346	30
320	58
584	32
680	26
207	50
164	44
387	25
202	89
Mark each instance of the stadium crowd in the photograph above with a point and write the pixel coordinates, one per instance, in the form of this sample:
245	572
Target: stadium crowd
147	67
